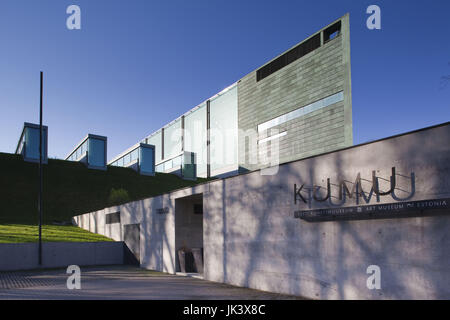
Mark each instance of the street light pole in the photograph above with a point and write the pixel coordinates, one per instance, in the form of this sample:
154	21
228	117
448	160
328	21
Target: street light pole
40	174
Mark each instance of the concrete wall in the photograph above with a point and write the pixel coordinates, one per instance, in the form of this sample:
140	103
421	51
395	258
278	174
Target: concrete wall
319	74
157	230
24	256
252	238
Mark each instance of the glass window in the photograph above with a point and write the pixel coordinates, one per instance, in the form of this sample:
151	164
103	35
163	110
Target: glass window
224	131
134	154
167	165
126	159
83	147
177	161
172	140
189	165
195	137
146	160
32	143
96	152
156	141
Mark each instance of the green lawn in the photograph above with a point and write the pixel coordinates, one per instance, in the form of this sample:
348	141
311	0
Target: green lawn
19	233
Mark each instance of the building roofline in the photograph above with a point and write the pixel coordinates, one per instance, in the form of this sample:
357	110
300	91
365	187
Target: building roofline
198	106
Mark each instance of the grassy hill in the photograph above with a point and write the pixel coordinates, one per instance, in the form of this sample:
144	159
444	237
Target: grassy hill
71	189
21	233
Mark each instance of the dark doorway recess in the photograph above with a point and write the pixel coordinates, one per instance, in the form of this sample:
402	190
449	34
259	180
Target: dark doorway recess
189	234
132	243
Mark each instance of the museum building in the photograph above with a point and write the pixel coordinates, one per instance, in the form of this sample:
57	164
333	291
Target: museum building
314	221
297	105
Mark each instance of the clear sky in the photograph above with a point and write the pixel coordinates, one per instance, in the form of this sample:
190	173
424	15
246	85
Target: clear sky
135	65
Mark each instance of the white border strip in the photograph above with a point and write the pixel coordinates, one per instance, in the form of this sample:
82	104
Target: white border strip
325	102
279	135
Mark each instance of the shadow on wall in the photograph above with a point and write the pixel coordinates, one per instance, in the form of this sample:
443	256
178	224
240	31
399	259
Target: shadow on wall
264	247
156	245
129	258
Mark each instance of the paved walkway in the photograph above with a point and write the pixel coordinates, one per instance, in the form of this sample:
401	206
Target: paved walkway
121	282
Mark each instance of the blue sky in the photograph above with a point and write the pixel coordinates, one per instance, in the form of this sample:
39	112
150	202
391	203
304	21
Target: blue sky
135	65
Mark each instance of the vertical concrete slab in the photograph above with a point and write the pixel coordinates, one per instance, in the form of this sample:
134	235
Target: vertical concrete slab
24	256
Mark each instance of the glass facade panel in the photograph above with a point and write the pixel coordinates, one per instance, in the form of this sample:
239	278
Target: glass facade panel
224	130
96	152
20	150
83	147
168	165
189	171
146	160
177	161
172	140
195	137
156	141
79	152
32	143
126	159
134	154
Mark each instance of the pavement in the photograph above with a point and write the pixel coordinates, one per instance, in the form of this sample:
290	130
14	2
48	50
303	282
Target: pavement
124	283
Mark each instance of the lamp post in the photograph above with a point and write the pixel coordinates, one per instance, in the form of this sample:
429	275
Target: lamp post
40	174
